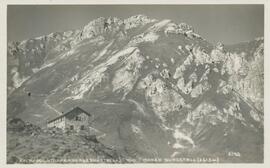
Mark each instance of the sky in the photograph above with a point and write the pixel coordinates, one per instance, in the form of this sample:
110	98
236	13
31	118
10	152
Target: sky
228	24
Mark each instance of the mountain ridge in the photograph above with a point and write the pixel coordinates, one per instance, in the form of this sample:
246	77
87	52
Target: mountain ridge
145	81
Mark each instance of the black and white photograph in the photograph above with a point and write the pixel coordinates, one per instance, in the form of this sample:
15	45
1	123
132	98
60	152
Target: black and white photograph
134	83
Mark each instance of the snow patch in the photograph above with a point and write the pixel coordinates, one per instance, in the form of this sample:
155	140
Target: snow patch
179	136
89	82
136	129
126	77
255	116
148	37
16	78
103	52
151	37
156	27
172	61
119	54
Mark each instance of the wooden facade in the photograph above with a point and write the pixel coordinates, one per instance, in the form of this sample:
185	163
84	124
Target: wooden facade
74	120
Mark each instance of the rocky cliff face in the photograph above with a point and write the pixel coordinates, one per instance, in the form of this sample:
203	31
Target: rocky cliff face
156	88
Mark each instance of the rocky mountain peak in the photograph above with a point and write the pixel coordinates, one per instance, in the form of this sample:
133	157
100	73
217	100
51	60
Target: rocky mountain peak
138	75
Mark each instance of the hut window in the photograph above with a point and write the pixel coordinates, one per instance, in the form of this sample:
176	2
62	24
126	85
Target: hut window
82	127
71	127
78	118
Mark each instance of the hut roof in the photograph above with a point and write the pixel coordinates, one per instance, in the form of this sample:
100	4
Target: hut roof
71	114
